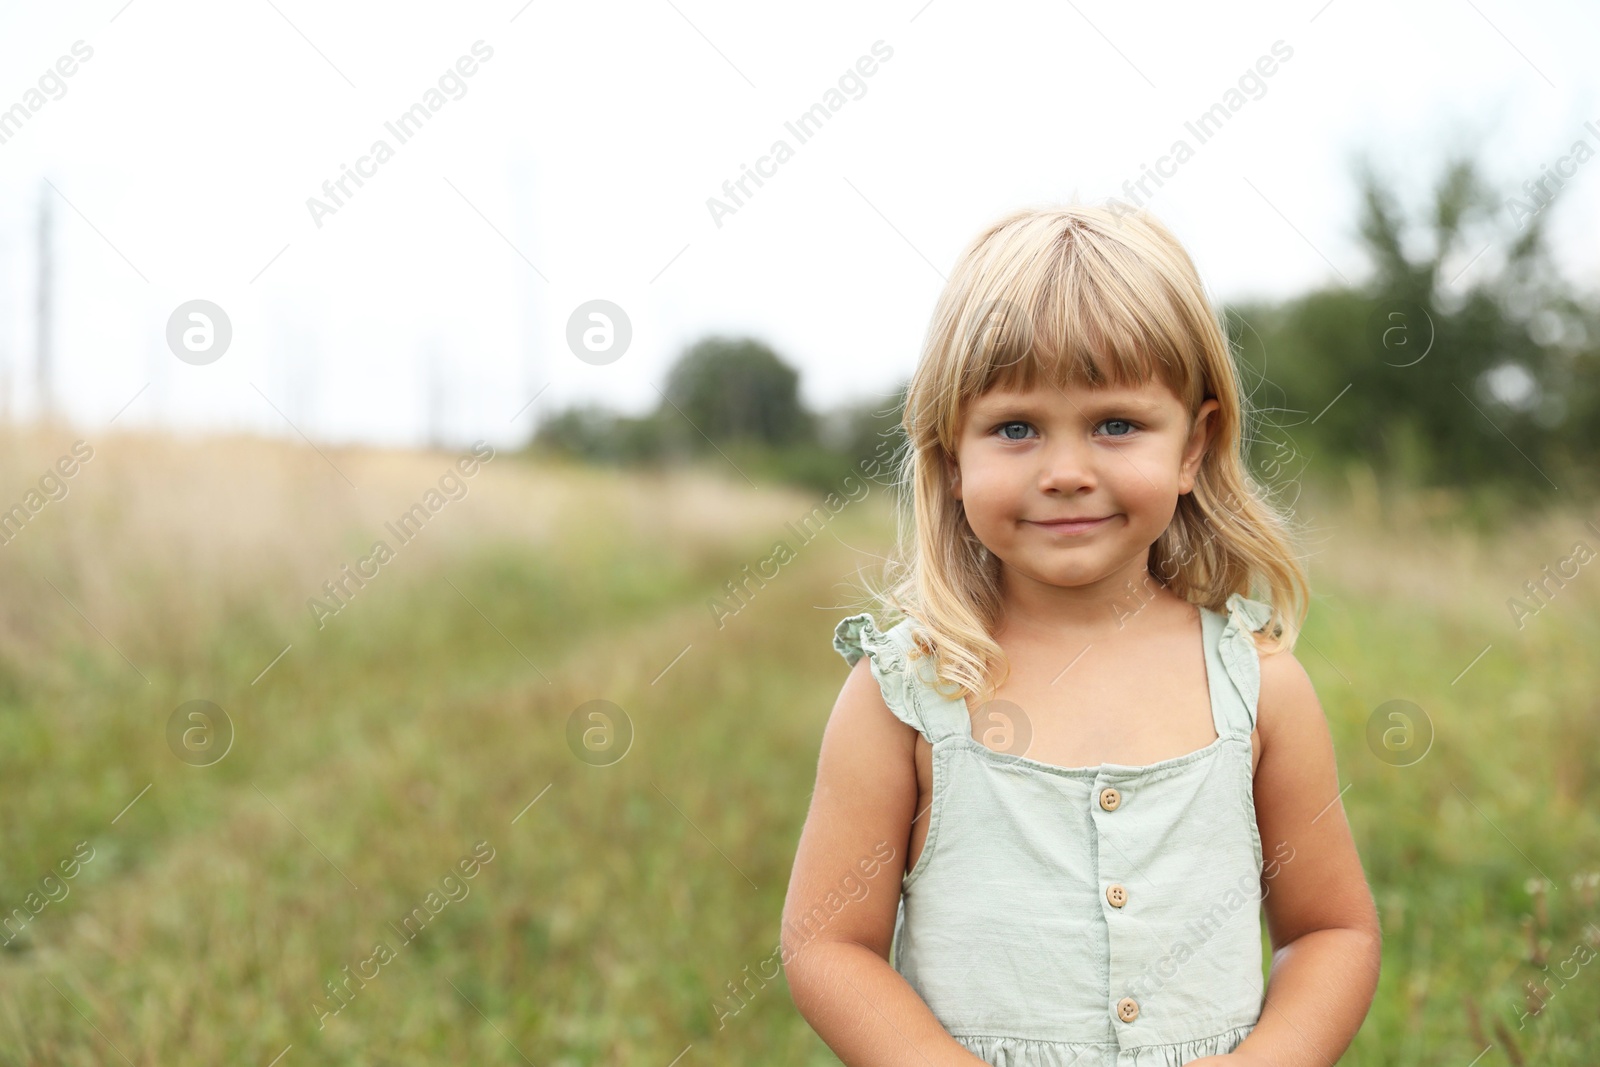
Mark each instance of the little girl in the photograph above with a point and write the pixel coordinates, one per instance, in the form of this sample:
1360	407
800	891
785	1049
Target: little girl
1090	773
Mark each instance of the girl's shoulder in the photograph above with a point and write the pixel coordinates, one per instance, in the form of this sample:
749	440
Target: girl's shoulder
888	653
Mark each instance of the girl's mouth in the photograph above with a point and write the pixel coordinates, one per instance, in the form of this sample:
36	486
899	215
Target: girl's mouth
1074	526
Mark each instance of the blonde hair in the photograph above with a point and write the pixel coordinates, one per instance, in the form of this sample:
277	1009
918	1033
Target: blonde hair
1090	296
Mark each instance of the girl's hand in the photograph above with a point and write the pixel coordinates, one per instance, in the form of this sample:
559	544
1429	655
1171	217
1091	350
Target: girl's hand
1229	1059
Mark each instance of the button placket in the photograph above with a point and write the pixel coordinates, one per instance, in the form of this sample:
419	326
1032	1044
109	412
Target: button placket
1110	799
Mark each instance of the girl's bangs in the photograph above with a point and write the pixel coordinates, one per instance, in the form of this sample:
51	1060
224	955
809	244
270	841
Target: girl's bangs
1077	324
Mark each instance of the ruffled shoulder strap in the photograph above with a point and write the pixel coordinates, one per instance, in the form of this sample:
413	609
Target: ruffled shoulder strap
1234	700
905	682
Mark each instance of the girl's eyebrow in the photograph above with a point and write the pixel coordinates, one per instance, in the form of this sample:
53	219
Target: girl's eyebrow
993	408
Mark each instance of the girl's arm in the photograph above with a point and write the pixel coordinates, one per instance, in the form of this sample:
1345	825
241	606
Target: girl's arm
1320	912
838	917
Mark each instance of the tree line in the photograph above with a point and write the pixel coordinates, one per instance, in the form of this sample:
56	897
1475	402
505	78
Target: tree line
1463	361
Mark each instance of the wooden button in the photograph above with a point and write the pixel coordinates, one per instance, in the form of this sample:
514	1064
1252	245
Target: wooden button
1127	1009
1116	894
1110	798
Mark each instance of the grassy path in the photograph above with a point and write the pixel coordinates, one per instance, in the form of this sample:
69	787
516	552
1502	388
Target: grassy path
222	902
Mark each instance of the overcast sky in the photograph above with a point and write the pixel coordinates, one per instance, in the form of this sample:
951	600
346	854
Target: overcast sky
574	163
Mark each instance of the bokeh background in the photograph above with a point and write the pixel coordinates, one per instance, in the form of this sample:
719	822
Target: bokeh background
524	783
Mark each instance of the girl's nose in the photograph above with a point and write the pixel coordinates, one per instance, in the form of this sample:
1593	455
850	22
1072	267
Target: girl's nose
1069	466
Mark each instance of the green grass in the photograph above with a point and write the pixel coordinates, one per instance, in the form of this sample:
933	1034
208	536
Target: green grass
618	907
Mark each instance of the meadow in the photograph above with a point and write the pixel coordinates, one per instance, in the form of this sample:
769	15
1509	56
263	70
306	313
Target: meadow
301	895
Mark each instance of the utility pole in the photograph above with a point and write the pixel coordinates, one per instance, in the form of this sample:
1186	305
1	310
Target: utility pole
436	401
42	336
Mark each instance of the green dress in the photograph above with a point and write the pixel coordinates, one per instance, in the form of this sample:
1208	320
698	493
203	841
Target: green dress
1101	916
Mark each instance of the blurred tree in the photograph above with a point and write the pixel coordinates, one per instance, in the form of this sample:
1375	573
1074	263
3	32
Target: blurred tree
735	389
866	430
1464	360
595	433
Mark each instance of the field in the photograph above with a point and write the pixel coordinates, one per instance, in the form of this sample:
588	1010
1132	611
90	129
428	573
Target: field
304	898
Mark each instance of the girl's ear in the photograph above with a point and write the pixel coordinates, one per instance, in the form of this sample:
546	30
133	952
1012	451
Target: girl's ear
1199	440
954	470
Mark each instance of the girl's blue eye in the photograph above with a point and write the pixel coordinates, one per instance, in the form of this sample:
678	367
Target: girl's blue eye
1124	422
1005	436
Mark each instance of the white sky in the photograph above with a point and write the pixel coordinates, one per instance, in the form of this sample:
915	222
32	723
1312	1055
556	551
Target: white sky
189	143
